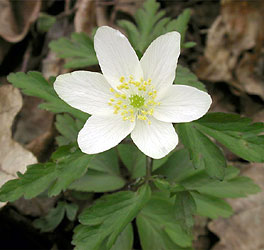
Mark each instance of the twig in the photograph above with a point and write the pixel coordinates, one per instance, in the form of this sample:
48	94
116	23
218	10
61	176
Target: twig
26	58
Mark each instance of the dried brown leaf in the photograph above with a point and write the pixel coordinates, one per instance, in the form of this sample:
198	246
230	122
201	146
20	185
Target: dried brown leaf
244	230
16	18
234	47
13	157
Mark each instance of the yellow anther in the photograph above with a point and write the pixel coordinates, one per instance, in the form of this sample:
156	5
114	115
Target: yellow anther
117	95
150	102
112	90
131	111
112	99
122	79
150	93
123	96
142	117
110	104
150	112
119	102
144	112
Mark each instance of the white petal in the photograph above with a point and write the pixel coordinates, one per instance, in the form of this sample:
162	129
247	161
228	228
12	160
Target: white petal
101	133
160	60
182	104
155	140
84	90
115	55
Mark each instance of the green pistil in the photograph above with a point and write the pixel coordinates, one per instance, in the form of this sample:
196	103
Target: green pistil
136	101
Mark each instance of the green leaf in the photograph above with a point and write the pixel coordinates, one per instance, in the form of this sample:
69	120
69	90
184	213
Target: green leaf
211	207
135	160
184	209
52	219
45	22
36	180
197	179
103	174
57	176
96	181
240	186
125	239
71	210
164	185
150	22
78	50
238	134
34	84
203	152
185	77
69	171
49	222
158	228
103	222
173	169
189	45
68	128
180	24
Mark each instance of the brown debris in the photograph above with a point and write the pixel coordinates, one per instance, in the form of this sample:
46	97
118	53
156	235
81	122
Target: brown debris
38	206
201	239
32	121
4	48
128	6
234	51
85	18
244	230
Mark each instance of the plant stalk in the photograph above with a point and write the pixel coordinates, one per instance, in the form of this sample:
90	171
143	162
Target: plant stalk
149	165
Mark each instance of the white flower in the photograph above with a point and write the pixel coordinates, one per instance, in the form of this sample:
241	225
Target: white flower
132	96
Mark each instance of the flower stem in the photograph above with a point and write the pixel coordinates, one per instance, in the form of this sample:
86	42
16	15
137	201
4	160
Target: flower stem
149	164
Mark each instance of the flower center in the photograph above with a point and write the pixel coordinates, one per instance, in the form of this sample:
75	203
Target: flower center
134	99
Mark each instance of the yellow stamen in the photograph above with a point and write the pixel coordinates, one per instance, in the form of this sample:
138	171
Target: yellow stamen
137	105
